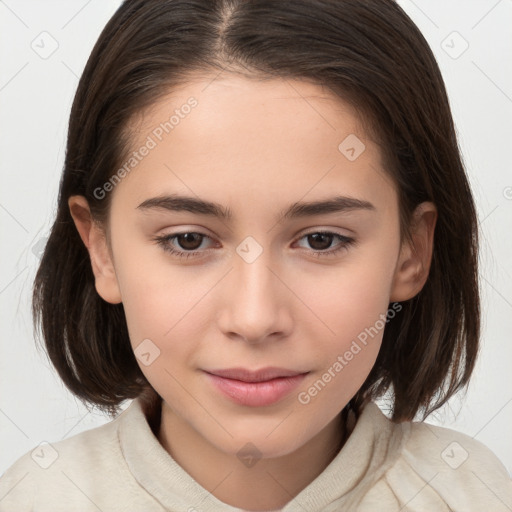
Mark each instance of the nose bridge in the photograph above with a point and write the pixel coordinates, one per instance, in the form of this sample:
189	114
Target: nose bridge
253	301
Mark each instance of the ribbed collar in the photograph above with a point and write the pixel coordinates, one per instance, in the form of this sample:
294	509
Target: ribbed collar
372	447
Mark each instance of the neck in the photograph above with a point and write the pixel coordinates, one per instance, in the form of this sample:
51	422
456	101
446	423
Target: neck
267	485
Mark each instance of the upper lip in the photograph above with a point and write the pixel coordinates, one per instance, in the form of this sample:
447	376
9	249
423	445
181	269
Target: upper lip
261	375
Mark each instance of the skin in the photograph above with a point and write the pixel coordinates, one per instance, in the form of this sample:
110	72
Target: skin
255	147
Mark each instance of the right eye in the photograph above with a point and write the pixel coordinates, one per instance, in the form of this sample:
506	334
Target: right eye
188	241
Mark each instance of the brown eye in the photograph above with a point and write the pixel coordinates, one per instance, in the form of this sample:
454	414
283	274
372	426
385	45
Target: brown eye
189	241
320	241
183	245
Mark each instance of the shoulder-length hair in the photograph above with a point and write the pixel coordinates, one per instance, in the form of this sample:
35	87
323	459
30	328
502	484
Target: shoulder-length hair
367	52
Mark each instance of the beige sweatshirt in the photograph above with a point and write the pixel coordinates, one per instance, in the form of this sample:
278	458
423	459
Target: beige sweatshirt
121	466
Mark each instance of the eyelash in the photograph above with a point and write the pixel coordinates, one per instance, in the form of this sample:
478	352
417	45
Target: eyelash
164	241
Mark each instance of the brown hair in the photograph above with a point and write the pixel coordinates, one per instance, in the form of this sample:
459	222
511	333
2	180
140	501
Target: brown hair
368	52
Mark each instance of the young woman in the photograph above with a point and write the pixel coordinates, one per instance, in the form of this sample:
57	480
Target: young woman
264	224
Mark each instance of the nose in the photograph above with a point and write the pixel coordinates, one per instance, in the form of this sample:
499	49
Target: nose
254	302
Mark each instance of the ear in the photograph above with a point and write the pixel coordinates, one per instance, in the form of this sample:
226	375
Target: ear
95	240
414	261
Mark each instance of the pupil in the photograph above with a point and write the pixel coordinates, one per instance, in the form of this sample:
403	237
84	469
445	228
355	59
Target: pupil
189	239
315	238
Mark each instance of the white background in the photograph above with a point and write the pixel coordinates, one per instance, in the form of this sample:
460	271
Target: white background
35	100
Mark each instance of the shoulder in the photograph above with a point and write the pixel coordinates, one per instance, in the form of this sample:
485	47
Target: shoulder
452	467
66	474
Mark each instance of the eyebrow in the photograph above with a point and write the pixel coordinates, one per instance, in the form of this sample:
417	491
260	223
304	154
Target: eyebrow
178	203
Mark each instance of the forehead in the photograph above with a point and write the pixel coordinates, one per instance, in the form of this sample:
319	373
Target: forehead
255	110
232	136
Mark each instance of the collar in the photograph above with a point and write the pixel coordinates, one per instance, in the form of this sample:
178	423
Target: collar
372	447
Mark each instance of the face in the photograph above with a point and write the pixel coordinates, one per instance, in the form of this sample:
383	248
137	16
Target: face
257	288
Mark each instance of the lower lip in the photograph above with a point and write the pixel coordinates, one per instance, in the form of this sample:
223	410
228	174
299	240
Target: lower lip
256	394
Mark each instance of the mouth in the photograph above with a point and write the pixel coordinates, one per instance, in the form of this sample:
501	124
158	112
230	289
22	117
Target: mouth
255	389
262	375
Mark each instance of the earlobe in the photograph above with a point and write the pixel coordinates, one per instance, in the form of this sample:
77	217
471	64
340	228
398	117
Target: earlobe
415	258
95	241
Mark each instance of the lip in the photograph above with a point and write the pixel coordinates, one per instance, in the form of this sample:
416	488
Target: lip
264	374
255	389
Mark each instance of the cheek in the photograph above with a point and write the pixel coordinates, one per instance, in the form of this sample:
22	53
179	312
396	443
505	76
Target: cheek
351	301
345	358
159	303
163	313
349	298
157	295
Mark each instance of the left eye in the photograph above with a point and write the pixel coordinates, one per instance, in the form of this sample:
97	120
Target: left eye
190	242
324	240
